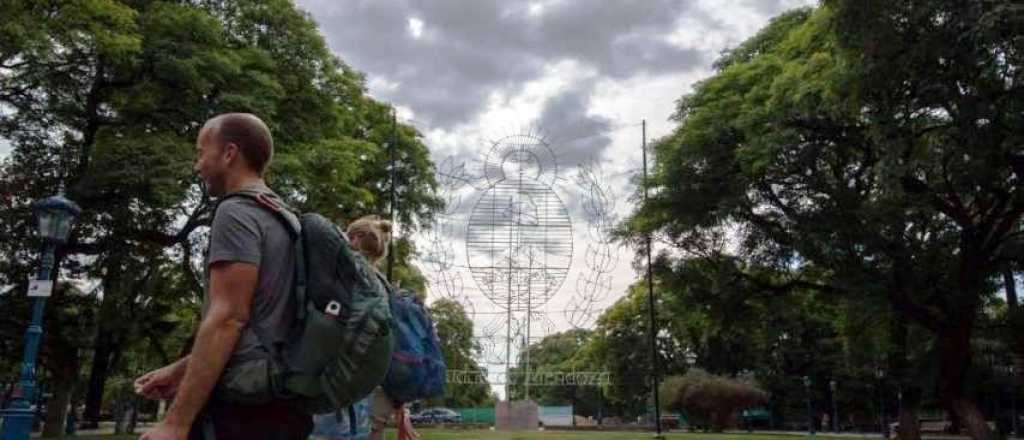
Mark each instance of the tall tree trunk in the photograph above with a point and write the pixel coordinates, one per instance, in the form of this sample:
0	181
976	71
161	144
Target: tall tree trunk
57	406
909	428
101	365
108	339
1016	324
63	366
1011	288
954	359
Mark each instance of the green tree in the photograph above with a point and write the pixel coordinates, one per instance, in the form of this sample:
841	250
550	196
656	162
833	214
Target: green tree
105	99
856	142
712	400
560	352
455	331
620	346
733	326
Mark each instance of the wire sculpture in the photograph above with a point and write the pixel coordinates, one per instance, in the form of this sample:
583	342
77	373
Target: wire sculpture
519	251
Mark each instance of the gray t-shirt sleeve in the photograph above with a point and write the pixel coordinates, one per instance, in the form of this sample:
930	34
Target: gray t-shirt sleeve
235	235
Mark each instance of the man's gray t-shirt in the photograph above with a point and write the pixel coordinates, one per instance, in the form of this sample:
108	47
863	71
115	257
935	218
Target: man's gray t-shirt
246	232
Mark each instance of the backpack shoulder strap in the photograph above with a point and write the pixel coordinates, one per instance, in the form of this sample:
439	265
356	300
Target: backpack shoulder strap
291	224
280	210
383	280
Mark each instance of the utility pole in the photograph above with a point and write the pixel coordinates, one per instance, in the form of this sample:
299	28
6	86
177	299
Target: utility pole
655	371
392	146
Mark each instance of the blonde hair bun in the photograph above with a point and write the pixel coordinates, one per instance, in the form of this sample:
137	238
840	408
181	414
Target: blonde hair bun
380	236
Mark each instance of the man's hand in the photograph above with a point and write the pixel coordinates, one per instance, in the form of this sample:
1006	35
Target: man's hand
163	431
162	383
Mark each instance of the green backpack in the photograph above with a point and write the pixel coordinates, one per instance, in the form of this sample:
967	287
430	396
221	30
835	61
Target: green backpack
340	347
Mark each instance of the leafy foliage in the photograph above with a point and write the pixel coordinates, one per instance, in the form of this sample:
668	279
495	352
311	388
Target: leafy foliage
865	151
104	99
714	399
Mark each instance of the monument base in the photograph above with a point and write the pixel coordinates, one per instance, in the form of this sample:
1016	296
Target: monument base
516	415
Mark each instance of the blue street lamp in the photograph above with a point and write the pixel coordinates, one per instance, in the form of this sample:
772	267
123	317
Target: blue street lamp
55	216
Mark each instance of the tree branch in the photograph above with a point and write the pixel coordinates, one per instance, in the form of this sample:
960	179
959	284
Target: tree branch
916	187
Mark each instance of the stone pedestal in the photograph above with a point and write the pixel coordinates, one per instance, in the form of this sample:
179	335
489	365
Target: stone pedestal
516	415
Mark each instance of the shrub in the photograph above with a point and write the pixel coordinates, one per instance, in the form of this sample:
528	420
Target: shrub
708	399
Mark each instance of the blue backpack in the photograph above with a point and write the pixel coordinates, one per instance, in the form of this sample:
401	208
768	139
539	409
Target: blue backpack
417	369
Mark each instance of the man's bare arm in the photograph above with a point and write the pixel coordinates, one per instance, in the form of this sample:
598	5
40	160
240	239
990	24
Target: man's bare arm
231	290
163	382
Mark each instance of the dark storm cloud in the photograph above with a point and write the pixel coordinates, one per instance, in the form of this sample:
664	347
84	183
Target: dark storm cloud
575	136
470	49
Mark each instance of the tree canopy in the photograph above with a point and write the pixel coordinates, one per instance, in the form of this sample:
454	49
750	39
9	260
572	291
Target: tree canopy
860	150
103	99
460	350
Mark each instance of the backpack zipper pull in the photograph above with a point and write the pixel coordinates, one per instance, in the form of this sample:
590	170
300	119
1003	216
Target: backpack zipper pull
333	309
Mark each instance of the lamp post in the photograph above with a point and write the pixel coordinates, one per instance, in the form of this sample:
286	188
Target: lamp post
1013	400
810	410
55	216
880	373
835	406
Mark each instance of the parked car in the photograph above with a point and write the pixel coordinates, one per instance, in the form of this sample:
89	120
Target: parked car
436	415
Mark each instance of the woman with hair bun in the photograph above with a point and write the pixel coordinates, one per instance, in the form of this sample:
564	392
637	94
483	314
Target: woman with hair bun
371	235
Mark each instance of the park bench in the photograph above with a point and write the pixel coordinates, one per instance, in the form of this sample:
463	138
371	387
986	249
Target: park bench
934	426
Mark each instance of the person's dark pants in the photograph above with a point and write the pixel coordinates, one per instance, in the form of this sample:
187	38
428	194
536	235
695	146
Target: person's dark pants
273	421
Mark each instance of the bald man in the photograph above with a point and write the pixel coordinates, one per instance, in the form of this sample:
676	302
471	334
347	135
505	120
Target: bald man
250	266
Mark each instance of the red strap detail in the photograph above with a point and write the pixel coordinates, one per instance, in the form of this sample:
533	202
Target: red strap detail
270	203
407	358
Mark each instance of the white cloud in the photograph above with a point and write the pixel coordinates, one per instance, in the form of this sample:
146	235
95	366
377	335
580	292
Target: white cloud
415	28
380	86
536	9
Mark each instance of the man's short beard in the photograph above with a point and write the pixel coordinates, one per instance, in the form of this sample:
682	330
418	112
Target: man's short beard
215	187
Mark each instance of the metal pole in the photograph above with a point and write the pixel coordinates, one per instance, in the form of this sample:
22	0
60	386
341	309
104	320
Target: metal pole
529	281
810	414
835	407
508	339
18	417
881	399
394	198
810	409
1013	400
1013	408
508	332
650	301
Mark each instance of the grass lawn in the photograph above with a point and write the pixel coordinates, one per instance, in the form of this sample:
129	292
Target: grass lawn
461	434
438	434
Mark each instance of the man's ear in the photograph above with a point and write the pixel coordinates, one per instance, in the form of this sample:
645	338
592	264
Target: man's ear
231	152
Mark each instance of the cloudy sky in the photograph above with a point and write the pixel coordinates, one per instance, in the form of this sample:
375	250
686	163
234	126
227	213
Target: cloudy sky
581	74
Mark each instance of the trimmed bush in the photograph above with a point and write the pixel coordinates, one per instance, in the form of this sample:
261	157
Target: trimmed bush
710	401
